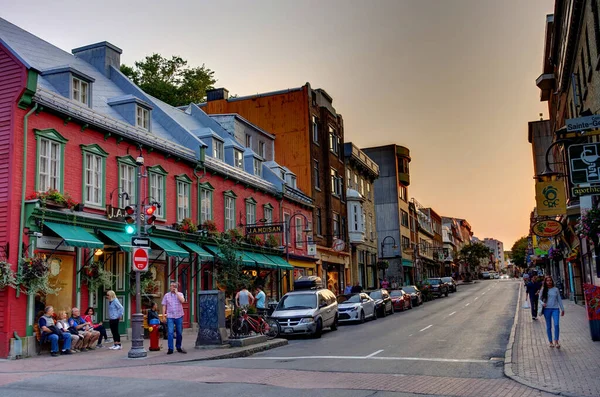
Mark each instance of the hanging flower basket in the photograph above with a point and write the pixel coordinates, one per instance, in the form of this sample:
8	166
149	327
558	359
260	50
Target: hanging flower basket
96	278
589	225
383	265
7	276
186	226
34	277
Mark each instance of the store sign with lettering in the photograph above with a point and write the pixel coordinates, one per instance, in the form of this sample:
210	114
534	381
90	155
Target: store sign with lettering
117	214
264	229
547	228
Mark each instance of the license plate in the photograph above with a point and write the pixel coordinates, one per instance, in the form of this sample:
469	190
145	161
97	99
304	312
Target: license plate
288	330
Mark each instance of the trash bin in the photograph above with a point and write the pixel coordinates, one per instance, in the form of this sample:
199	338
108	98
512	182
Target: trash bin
153	328
592	304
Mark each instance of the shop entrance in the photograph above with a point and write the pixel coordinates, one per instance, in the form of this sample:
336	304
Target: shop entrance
62	274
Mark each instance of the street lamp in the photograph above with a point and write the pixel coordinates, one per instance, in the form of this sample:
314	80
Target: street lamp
383	244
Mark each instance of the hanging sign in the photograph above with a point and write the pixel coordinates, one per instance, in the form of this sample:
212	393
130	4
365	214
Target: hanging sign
264	229
583	123
547	228
550	198
585	163
586	191
311	249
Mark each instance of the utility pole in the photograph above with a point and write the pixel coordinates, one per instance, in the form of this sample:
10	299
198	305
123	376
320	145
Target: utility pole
137	319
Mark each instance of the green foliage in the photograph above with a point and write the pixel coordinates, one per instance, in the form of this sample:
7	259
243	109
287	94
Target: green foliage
34	277
96	277
519	251
472	254
229	268
171	80
271	241
7	276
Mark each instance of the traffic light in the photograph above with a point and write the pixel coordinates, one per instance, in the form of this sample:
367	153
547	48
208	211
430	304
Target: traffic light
129	220
150	218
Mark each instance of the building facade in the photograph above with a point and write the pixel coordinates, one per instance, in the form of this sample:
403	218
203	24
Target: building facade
497	248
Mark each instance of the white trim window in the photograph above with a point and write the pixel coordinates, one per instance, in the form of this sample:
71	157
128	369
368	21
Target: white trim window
93	179
218	149
127	184
205	205
80	91
142	118
299	230
257	167
286	224
49	165
229	213
157	192
315	129
250	213
248	140
183	200
238	159
336	225
268	215
261	149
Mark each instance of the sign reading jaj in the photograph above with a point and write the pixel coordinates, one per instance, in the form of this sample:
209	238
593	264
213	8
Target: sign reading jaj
583	123
550	198
264	229
585	163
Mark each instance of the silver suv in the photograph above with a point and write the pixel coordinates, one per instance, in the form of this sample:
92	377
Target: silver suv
307	312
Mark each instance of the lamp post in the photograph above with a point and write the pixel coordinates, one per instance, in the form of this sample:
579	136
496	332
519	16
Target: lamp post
394	246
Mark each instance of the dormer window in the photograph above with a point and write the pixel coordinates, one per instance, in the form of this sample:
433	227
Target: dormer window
80	91
291	180
142	118
257	167
238	159
218	149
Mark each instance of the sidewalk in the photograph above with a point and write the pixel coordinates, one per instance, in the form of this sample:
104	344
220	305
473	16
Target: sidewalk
571	370
104	358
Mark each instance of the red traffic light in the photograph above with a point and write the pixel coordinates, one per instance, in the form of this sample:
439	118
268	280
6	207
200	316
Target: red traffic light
129	210
150	209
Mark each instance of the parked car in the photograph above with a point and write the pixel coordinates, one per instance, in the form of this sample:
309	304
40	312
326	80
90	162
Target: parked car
486	275
383	302
438	287
356	307
415	294
401	300
494	275
451	283
504	277
308	309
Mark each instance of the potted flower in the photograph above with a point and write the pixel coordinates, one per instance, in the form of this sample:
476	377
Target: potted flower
34	276
97	278
592	304
383	264
7	276
211	227
271	241
52	198
254	240
186	226
233	235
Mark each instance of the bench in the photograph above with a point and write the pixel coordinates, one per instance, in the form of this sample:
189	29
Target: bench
38	339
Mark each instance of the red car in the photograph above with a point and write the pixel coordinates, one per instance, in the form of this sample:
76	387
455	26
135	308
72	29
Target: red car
401	300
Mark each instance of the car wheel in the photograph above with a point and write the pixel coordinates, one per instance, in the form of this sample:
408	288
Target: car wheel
446	294
383	311
334	326
319	330
393	310
375	314
410	305
362	317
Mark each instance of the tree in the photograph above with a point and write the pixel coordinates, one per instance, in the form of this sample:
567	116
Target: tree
472	255
171	80
519	251
229	268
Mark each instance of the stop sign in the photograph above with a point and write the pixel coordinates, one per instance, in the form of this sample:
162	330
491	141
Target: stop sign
140	259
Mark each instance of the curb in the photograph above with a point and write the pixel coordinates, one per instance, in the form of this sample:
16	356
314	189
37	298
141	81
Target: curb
508	361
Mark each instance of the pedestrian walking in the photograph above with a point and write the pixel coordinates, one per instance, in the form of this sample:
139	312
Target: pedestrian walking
115	312
244	298
172	306
385	284
532	287
553	309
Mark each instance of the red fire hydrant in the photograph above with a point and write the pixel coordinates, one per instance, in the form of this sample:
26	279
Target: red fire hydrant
154	336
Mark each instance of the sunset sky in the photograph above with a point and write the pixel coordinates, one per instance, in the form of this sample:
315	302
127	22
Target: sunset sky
453	80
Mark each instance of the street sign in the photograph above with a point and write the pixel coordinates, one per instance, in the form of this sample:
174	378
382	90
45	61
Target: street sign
585	163
140	241
140	260
338	245
550	198
312	249
586	191
583	123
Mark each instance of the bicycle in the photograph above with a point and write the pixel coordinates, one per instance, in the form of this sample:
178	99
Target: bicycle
259	324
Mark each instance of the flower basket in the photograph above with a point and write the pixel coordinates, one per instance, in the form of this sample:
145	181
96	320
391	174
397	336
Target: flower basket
271	241
382	265
589	225
7	276
186	226
34	277
592	304
96	278
54	199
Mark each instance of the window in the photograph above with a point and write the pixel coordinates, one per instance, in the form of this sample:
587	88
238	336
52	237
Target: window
404	218
286	224
336	225
250	211
362	187
349	178
403	166
319	223
316	174
183	197
80	91
157	178
248	141
268	213
405	242
127	180
261	149
217	149
371	233
583	66
238	159
368	190
299	230
142	119
596	15
93	174
344	231
206	195
315	129
355	181
257	167
229	210
50	153
403	193
293	182
336	183
356	218
334	141
587	47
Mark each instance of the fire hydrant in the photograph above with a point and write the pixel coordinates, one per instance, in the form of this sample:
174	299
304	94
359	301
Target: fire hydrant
154	332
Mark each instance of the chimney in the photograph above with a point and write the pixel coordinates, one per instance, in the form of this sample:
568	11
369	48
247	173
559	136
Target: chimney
100	55
216	94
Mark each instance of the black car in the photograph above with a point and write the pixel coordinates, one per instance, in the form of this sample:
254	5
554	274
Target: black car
383	302
415	294
451	283
438	287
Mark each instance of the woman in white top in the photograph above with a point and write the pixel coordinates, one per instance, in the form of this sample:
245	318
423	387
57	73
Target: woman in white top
551	307
63	325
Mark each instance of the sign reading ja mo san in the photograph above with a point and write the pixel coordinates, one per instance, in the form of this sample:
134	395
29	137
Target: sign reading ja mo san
585	163
264	229
583	123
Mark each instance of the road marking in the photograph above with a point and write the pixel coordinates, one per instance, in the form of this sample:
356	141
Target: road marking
467	304
429	326
374	354
443	360
476	297
451	314
483	293
410	335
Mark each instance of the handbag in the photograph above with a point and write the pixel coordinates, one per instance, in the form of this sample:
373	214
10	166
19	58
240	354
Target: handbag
540	306
54	330
526	305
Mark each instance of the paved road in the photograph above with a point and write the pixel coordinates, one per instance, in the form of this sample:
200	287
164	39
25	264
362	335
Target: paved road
450	347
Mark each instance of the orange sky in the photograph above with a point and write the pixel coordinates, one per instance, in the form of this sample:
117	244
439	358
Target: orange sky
454	80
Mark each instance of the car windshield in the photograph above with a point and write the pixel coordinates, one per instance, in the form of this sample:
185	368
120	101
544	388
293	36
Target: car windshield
410	289
349	298
434	281
447	279
298	301
396	293
375	294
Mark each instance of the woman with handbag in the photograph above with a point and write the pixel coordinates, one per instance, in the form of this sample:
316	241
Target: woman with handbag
64	327
551	305
115	312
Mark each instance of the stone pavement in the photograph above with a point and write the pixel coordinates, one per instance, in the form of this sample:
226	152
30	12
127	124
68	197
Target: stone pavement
105	358
571	370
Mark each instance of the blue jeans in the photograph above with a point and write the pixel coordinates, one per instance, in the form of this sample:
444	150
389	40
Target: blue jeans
178	324
53	338
549	315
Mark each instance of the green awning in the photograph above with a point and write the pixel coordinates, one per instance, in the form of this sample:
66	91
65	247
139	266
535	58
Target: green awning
123	240
261	260
193	247
246	260
280	262
170	247
407	263
75	236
